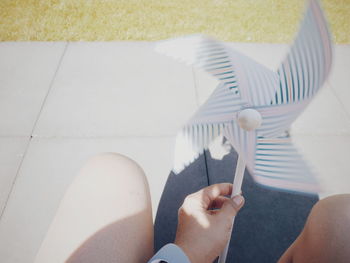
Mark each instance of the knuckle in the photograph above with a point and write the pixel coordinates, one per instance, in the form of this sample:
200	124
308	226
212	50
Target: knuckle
231	203
180	211
188	198
205	191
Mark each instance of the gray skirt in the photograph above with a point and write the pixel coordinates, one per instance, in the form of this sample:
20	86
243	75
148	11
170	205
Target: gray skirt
266	226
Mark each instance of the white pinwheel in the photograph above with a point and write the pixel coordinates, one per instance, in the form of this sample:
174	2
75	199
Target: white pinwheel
253	107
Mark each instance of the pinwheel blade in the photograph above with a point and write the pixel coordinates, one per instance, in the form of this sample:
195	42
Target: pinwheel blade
204	53
302	73
221	107
191	141
206	124
279	165
307	66
273	162
255	83
278	118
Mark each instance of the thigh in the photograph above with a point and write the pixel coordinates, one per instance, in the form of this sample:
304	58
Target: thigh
326	235
105	215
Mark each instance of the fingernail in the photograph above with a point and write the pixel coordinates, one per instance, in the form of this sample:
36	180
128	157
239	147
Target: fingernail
238	199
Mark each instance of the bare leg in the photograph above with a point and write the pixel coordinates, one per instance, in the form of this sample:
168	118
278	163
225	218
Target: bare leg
105	216
326	235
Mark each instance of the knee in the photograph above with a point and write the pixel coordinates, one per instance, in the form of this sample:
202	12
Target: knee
327	231
339	202
113	166
332	211
112	159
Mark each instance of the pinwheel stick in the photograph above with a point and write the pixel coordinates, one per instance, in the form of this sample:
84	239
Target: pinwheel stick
237	184
248	120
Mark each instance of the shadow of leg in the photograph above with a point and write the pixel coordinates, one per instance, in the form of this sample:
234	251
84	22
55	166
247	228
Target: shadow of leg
177	187
105	216
116	242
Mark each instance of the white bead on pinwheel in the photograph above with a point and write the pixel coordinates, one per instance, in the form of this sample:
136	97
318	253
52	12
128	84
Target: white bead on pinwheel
249	119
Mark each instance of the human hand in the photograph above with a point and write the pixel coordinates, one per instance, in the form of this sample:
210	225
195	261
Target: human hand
202	233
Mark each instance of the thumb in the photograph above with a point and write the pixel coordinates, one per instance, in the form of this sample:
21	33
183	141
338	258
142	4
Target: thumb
231	206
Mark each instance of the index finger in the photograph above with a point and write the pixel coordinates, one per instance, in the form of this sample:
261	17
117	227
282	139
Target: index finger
208	194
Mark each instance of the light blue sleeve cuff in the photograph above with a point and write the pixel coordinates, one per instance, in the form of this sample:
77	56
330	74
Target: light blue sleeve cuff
170	253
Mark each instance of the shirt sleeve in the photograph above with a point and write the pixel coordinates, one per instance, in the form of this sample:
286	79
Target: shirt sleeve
170	253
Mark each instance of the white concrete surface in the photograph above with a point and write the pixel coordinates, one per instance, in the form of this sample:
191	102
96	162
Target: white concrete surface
63	102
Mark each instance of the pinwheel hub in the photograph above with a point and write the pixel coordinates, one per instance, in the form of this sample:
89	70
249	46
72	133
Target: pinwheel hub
249	119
